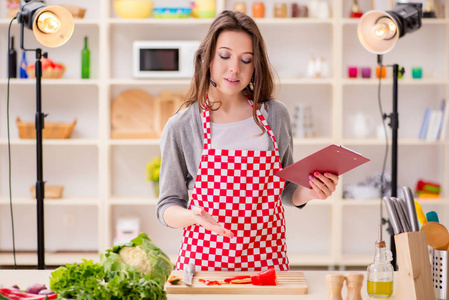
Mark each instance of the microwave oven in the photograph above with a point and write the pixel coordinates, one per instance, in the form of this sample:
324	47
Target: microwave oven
164	59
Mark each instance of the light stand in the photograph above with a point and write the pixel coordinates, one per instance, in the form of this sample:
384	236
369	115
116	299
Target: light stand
394	125
40	184
48	30
379	32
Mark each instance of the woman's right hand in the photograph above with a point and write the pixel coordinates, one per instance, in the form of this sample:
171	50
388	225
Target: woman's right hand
204	219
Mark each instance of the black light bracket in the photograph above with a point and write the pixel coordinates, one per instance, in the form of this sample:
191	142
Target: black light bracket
27	11
407	16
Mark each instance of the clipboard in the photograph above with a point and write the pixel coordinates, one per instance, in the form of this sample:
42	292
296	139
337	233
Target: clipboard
331	159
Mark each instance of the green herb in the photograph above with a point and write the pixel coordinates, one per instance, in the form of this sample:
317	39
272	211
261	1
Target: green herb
116	278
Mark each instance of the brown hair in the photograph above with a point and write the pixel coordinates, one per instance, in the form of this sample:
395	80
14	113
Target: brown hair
261	87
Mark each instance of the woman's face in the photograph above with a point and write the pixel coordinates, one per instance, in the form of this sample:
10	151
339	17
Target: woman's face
232	65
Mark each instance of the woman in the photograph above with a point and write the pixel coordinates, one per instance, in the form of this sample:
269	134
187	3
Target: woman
226	146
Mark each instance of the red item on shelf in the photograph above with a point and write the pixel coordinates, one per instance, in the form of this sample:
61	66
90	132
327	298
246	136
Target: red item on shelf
357	14
421	183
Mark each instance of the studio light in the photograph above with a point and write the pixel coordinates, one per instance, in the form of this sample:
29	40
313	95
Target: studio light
379	31
52	27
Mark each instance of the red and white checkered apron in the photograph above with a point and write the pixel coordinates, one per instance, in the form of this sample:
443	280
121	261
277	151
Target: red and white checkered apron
239	189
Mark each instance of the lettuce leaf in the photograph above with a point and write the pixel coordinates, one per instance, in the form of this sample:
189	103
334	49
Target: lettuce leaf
80	281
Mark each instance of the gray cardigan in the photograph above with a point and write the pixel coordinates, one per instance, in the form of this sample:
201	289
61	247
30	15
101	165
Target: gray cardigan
182	146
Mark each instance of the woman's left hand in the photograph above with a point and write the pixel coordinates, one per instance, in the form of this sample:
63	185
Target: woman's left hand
323	185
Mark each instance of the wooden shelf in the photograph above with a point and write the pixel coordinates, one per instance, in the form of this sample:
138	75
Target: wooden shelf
192	21
50	82
349	21
381	142
117	201
52	142
90	22
51	258
135	142
177	82
389	82
65	201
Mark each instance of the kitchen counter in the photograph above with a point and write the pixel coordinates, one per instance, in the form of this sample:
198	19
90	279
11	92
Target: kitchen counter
315	280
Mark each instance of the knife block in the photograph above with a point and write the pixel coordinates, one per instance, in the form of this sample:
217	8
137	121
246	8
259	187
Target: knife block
414	274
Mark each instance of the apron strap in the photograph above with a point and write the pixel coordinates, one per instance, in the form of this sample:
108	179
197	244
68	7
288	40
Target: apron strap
206	128
265	124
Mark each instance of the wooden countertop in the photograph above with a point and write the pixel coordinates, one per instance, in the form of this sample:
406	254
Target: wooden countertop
315	280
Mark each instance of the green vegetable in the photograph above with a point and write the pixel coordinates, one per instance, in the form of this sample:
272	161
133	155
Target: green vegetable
80	281
115	278
140	254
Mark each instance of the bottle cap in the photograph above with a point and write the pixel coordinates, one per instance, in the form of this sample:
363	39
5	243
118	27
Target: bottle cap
380	243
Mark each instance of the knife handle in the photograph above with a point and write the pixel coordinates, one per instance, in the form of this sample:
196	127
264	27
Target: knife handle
392	214
402	214
411	209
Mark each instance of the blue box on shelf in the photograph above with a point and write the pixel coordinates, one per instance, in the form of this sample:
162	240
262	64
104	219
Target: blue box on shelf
171	12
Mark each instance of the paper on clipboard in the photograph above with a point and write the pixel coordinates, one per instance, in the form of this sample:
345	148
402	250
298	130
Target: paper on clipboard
331	159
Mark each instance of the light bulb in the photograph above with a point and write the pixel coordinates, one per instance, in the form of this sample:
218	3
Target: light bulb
48	22
380	31
385	29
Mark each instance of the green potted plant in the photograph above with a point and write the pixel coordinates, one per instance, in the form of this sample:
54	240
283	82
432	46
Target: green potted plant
153	170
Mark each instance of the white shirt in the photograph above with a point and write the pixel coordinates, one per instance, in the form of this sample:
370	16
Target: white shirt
240	135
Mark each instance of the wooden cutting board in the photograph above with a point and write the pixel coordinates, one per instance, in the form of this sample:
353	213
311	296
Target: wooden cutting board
134	115
289	283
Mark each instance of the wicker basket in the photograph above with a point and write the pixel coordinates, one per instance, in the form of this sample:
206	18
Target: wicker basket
77	12
51	191
51	130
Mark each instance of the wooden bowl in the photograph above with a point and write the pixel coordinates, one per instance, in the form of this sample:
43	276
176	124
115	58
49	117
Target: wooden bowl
51	130
47	73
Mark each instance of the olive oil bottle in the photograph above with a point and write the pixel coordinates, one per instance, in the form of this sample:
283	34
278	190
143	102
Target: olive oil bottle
380	272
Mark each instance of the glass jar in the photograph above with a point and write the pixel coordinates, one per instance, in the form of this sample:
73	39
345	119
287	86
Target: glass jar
240	6
280	10
258	10
295	10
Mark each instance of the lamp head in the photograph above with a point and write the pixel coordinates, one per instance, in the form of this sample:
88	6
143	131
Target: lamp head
379	31
52	25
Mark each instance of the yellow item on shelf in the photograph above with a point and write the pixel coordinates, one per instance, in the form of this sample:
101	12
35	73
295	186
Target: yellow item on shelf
420	214
133	9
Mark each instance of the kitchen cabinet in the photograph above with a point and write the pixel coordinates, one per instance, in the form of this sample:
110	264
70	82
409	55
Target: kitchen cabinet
104	178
